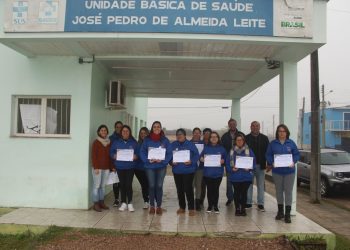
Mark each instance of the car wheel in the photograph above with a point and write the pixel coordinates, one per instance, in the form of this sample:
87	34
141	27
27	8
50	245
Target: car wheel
325	188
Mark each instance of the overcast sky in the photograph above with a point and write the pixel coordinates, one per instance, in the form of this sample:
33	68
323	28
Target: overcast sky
262	105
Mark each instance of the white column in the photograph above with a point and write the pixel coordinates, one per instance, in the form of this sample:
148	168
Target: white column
289	107
236	111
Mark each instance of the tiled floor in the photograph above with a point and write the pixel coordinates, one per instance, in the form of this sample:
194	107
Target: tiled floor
255	223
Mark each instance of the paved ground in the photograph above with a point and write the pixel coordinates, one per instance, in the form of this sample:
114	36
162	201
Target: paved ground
225	223
325	214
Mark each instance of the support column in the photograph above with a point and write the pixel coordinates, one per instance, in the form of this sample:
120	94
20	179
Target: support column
236	111
289	106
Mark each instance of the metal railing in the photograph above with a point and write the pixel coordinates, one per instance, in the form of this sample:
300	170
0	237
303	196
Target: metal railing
338	125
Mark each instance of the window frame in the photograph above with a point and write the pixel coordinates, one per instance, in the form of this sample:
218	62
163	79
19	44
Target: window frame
44	99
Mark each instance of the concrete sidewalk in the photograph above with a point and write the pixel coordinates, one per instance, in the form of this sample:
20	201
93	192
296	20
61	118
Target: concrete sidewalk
255	224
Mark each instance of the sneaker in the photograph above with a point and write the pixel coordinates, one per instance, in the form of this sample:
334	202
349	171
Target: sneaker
247	206
145	205
209	209
123	207
228	203
116	203
216	210
261	208
131	208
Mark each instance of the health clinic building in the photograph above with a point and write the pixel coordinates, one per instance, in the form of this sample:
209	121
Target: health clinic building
69	65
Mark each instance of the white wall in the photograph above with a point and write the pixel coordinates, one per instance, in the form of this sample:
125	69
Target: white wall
45	172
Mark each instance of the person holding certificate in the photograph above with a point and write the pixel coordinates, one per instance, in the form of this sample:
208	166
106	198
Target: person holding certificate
213	156
140	168
240	164
101	164
198	175
156	153
185	160
281	155
124	156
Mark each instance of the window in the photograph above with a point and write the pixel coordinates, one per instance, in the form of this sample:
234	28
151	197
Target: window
42	116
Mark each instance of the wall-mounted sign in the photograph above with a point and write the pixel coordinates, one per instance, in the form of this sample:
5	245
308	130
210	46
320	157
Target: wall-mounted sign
290	18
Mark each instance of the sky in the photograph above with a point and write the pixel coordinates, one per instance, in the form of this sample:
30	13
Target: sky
262	104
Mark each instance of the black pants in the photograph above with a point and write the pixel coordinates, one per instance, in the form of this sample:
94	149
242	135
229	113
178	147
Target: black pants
116	190
184	186
203	190
125	177
213	185
142	178
240	193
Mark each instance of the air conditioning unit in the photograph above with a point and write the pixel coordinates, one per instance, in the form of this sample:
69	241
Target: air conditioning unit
116	95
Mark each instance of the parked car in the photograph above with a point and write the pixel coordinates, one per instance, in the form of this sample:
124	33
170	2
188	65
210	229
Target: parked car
335	169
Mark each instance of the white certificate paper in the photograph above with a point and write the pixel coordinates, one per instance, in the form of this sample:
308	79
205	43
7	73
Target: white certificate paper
181	156
283	160
125	154
156	153
244	162
212	160
199	147
112	178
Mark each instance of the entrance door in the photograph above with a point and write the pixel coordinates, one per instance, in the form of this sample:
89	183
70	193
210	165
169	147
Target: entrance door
347	121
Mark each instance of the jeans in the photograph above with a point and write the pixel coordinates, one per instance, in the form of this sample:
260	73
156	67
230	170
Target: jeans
240	195
213	185
259	174
184	188
229	188
99	184
284	188
155	181
126	177
142	178
198	183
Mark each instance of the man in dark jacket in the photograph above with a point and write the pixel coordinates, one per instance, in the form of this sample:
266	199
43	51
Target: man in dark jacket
258	142
228	142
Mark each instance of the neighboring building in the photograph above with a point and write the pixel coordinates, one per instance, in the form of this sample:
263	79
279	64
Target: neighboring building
337	129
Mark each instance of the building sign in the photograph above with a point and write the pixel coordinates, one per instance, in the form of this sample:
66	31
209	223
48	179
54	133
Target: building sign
290	18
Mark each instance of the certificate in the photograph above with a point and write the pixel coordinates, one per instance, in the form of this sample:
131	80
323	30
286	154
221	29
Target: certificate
181	156
284	160
156	153
244	162
112	178
199	147
212	160
125	154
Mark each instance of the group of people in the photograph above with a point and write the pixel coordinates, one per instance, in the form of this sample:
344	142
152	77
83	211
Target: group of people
198	166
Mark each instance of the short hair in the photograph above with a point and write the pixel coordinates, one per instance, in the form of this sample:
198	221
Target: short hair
285	128
240	135
181	131
196	128
101	127
206	130
232	120
118	122
254	122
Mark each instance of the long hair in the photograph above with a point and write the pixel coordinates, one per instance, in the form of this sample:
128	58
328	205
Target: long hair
161	132
101	127
219	139
142	129
130	132
285	128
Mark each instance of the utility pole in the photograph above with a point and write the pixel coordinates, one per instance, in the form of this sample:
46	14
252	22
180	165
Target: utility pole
315	172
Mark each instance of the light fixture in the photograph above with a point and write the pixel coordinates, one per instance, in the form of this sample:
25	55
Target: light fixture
83	60
272	64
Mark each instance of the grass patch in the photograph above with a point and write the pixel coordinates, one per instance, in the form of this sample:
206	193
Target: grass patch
342	243
6	210
29	237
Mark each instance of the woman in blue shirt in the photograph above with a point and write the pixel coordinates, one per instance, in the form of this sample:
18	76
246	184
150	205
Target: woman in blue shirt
213	173
184	171
156	168
241	178
283	176
125	167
